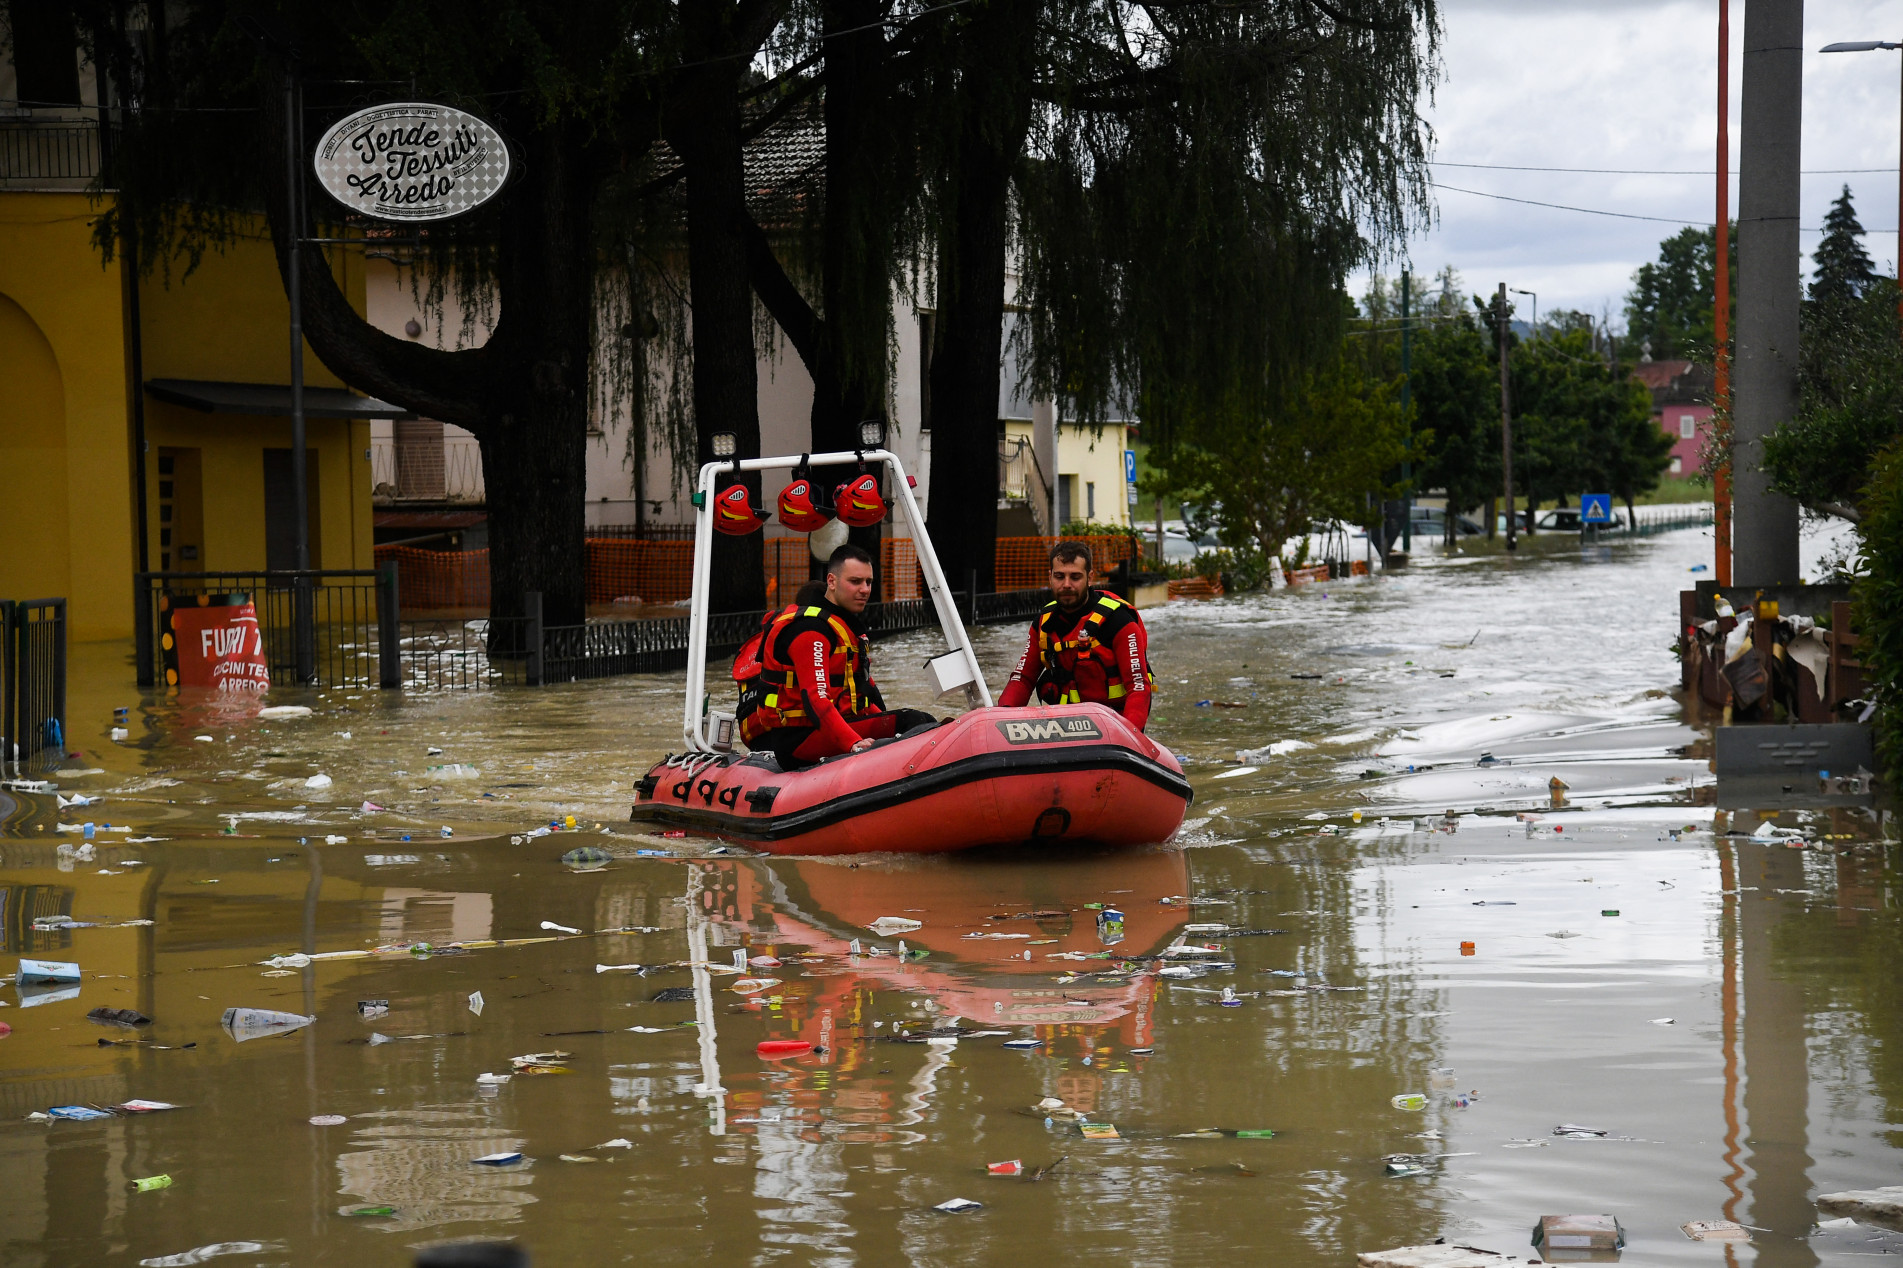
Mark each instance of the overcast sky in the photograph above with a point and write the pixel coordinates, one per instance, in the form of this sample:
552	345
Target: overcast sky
1631	84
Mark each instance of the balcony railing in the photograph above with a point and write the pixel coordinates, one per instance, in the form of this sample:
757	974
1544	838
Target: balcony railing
57	154
449	470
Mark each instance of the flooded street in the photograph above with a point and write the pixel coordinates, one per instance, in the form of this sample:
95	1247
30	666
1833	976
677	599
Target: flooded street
1723	1012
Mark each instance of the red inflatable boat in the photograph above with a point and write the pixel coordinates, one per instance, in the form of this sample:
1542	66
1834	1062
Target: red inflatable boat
1074	773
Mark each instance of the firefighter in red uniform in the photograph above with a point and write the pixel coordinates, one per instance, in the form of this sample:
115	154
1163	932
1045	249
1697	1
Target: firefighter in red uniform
814	696
1086	646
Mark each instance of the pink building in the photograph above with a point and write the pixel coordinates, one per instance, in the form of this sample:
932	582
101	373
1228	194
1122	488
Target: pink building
1681	403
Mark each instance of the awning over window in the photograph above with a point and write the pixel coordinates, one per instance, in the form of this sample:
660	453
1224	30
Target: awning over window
214	397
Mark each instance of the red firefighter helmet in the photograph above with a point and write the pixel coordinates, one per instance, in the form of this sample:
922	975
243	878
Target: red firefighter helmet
734	514
858	502
797	510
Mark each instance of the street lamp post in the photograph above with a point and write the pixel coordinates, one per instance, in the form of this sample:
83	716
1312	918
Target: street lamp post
1872	46
1536	309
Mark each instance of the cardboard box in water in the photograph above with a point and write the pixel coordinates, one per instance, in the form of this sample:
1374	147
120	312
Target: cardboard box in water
1579	1238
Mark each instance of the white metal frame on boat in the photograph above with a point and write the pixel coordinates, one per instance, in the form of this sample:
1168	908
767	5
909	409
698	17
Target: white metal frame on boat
958	643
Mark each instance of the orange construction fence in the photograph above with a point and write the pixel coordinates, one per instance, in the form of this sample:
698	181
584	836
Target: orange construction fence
624	570
435	579
1024	563
899	570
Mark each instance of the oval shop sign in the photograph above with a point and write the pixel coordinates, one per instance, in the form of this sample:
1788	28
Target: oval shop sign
412	160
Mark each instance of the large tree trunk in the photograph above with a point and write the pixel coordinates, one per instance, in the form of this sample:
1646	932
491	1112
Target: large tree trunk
992	110
705	131
857	233
845	350
523	394
536	391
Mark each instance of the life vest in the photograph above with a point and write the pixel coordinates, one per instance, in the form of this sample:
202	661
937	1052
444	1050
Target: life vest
1080	667
773	699
748	665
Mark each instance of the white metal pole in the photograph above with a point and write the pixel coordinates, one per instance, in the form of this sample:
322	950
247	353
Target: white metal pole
948	619
709	1086
693	729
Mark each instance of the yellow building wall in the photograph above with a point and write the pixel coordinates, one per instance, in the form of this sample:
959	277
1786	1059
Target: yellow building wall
65	462
230	320
1093	455
67	512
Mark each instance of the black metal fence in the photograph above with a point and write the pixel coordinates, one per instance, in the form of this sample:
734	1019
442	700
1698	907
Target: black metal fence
48	150
345	629
32	683
318	627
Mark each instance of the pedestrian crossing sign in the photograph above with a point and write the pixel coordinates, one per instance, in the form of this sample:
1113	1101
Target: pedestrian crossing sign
1595	508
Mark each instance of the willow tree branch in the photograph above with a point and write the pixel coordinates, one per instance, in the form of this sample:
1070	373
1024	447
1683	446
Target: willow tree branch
803	327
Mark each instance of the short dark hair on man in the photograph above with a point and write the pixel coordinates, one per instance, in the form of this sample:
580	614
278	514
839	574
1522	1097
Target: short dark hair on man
1068	551
841	555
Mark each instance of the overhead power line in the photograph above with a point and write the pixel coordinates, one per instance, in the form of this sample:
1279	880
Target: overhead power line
1657	171
1595	211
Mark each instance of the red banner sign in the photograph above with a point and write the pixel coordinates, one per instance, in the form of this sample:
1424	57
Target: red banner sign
213	640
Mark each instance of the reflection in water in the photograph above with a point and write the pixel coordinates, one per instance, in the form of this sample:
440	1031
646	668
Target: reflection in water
419	1162
423	915
1003	944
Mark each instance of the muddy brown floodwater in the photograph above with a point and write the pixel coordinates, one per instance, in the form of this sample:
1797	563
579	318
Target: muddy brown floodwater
1778	1075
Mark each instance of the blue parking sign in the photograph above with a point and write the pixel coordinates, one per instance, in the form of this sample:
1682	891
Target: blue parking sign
1595	508
1129	466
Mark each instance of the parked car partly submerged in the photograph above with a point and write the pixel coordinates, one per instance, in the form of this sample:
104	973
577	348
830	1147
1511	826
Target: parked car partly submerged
1566	520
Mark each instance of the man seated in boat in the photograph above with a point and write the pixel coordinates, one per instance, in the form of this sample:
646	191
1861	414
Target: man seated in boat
814	696
1087	646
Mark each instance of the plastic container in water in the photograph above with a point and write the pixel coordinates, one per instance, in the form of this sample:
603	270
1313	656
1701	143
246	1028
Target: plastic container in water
47	971
246	1024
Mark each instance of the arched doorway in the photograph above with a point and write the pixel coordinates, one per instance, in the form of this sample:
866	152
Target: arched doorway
33	504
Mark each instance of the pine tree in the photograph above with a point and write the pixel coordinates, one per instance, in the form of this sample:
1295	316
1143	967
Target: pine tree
1843	266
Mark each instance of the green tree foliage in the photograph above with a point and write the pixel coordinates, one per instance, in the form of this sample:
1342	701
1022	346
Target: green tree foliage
1849	403
1843	266
1327	454
1456	399
1582	423
1878	595
1849	377
1672	301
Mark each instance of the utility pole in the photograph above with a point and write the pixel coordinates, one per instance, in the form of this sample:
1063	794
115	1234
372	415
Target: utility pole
1721	309
1407	442
1506	413
1770	288
303	606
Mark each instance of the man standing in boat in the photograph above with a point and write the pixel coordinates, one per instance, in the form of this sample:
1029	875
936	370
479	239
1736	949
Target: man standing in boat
815	696
1087	646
